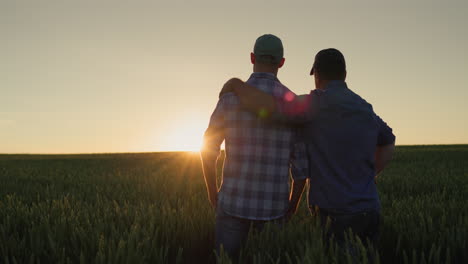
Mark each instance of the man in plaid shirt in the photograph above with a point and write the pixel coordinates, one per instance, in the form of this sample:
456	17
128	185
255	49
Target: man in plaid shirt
259	156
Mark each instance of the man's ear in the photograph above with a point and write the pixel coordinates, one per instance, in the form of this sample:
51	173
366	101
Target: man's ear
281	63
252	58
344	78
316	76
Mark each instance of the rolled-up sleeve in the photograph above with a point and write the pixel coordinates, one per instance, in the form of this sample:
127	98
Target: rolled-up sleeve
385	133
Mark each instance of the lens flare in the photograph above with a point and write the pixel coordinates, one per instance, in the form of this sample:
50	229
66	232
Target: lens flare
289	96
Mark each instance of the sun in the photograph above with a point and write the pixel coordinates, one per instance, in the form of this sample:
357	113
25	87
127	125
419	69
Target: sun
186	140
186	136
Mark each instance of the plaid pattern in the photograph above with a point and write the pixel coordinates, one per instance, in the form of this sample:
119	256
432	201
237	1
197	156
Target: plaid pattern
259	155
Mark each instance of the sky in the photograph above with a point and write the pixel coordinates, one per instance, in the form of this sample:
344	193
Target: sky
135	76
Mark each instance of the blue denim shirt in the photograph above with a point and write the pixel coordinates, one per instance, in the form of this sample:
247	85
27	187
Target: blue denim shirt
341	132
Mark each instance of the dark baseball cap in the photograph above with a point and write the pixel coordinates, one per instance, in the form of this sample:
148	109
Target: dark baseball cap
268	45
330	61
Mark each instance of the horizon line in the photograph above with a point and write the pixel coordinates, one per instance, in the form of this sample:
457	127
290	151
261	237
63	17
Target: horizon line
182	151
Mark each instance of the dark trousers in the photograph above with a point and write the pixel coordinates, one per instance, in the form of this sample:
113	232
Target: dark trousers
232	232
365	225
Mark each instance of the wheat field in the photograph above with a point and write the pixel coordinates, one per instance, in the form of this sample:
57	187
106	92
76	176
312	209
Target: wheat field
153	208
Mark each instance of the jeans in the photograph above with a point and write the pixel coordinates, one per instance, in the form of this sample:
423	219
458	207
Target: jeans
231	231
365	225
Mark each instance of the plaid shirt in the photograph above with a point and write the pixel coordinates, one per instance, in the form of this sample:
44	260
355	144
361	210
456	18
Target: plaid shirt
259	155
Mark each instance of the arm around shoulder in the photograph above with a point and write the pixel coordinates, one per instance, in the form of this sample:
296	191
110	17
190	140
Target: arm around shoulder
251	98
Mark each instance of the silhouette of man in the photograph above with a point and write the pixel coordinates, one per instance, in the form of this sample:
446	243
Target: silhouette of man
347	145
259	157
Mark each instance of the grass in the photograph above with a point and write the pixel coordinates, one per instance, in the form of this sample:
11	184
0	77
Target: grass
153	208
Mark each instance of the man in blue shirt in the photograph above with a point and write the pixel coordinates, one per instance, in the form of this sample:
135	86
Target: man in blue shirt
348	145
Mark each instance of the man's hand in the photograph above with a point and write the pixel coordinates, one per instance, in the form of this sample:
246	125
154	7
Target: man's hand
295	197
213	197
291	211
230	85
209	172
251	98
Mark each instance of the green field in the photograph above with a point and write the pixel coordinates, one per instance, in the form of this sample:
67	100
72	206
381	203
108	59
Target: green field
153	208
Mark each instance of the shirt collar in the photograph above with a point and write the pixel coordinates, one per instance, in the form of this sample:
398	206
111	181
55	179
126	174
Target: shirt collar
265	75
335	84
332	85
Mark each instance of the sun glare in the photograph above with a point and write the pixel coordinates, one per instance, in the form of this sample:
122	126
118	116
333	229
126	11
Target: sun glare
186	137
186	140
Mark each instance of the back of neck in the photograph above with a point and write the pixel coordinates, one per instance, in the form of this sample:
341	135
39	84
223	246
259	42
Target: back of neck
262	68
323	84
